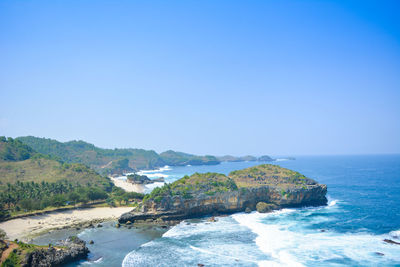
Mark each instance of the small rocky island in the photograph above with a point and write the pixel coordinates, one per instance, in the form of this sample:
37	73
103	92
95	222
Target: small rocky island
142	179
263	187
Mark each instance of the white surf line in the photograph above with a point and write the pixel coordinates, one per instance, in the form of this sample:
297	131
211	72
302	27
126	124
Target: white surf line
226	256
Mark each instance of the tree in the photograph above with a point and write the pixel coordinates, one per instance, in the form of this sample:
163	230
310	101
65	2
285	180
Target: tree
74	197
3	234
110	202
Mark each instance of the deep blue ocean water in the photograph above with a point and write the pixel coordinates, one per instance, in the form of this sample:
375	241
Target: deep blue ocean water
363	209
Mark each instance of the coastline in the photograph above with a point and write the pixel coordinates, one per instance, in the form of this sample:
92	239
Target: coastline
128	187
28	227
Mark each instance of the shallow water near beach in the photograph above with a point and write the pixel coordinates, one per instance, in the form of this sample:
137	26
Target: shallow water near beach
363	209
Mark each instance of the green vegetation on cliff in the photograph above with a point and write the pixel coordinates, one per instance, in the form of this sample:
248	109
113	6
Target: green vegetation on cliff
211	183
189	186
270	175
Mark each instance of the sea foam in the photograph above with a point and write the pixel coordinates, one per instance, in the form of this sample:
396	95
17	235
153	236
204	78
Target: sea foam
291	240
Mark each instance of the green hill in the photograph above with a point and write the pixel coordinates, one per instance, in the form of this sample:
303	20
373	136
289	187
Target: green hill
112	161
33	181
173	158
11	150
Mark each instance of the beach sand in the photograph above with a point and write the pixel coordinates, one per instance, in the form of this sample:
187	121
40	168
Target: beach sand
128	187
28	227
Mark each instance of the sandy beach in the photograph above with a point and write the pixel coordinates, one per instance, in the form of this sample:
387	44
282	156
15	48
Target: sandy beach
25	228
128	187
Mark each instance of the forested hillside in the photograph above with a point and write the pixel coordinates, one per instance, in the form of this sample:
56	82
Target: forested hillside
33	181
113	161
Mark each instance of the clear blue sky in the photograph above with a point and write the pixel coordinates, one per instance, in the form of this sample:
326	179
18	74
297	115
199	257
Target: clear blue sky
205	77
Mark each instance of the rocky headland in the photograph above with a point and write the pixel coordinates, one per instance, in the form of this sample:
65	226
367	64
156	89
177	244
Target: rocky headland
213	193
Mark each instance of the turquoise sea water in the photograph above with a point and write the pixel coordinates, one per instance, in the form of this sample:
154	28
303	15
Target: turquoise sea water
364	209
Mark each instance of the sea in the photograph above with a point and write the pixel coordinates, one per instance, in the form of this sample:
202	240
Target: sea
363	210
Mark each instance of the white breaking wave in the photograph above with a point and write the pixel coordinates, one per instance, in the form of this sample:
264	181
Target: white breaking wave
149	187
162	169
395	234
190	243
99	260
288	237
332	203
219	254
290	243
157	175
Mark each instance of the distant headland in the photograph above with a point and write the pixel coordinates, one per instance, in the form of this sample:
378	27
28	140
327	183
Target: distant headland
118	161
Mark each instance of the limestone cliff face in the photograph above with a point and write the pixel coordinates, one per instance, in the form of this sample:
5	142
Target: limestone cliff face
74	249
253	187
238	200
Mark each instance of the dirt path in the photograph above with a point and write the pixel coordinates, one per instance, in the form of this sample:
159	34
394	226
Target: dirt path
7	252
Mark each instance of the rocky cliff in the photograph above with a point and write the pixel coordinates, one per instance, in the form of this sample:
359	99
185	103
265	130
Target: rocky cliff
74	249
28	255
213	193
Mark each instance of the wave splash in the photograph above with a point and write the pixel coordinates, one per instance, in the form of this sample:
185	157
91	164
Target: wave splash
291	237
288	237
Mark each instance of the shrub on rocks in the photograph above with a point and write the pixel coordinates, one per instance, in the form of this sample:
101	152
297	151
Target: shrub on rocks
263	207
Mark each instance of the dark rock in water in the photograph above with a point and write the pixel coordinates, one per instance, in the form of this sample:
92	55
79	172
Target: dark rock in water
91	242
164	226
263	207
218	194
118	225
379	254
99	225
78	228
75	250
212	219
391	242
247	210
129	227
142	179
200	265
323	230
